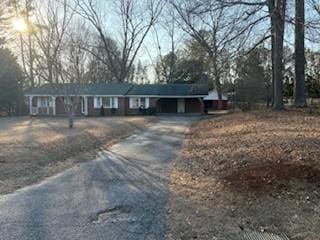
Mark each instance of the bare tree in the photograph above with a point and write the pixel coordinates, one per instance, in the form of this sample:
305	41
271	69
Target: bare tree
23	10
136	18
98	70
60	58
30	41
276	13
3	18
166	65
313	23
3	5
216	29
72	68
53	23
76	57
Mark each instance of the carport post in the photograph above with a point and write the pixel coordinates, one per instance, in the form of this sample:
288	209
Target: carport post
202	105
85	105
54	106
30	104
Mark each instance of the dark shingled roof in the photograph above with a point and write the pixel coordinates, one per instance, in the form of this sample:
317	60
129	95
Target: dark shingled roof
81	89
58	89
120	89
108	89
169	89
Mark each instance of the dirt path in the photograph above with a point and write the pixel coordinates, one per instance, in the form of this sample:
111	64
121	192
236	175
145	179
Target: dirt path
120	195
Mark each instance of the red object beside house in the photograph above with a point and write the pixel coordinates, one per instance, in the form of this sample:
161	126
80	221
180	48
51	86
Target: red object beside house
211	102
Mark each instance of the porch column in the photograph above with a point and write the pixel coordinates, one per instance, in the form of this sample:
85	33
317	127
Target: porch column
86	106
48	106
30	104
53	105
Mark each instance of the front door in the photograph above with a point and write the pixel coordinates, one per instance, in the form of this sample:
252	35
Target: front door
181	105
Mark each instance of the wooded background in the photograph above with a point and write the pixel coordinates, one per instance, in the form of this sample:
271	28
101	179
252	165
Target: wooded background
256	50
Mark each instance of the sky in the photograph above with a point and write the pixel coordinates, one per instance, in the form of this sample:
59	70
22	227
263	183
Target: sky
150	47
149	51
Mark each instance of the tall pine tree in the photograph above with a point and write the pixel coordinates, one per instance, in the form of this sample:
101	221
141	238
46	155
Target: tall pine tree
10	83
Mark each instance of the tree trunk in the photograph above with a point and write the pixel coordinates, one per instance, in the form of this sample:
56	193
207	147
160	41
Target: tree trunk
299	83
31	60
30	32
278	67
71	116
272	66
216	76
277	11
70	120
220	105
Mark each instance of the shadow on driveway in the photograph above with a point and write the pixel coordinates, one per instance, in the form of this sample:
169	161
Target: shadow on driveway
120	195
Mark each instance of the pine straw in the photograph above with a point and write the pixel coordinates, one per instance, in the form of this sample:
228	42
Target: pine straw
33	149
257	170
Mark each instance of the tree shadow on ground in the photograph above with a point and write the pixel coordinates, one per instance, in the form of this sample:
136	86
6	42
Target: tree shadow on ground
268	177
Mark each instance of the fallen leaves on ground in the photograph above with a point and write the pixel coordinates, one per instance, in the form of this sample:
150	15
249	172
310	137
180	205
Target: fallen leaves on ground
256	170
32	149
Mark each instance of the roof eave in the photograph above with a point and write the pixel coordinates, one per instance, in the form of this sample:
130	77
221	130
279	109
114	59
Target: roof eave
167	96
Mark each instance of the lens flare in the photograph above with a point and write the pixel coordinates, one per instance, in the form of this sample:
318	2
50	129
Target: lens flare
20	25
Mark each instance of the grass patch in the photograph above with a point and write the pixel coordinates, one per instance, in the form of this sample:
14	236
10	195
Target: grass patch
32	149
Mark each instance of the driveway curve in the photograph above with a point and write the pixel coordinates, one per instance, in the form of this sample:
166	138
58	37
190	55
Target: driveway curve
120	195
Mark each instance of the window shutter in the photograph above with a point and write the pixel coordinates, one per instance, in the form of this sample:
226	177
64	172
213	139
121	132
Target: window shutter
95	102
147	103
115	102
130	102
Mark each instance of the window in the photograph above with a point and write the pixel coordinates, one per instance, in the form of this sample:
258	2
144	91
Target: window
143	102
42	102
68	100
136	102
106	102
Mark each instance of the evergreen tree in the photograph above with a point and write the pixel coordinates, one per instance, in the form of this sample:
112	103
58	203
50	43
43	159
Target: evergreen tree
190	65
10	83
253	83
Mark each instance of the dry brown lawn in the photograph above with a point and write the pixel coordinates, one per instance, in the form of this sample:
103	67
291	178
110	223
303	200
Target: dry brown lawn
32	149
255	171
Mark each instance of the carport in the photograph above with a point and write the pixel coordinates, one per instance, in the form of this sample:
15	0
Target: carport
171	98
167	105
179	105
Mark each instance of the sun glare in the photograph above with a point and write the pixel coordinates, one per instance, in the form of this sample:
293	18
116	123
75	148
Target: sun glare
20	25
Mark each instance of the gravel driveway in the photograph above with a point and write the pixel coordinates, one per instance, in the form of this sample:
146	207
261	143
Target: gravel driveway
120	195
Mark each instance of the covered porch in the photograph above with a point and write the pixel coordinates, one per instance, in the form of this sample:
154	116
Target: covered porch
57	105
